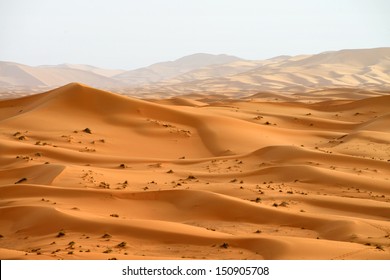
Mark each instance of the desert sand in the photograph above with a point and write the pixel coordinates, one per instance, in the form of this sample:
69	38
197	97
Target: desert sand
90	174
213	74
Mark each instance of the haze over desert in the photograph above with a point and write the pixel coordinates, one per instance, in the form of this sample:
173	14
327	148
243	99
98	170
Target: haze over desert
202	165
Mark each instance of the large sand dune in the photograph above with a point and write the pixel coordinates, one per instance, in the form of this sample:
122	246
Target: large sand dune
367	69
88	174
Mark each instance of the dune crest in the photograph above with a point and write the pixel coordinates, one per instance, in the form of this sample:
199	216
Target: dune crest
90	174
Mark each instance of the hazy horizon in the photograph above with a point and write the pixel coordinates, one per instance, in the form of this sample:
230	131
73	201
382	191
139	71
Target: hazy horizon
132	34
174	59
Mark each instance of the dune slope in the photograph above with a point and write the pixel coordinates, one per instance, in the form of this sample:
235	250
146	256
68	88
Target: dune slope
88	174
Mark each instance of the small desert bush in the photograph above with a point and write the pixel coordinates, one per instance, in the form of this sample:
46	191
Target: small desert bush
106	235
224	245
121	245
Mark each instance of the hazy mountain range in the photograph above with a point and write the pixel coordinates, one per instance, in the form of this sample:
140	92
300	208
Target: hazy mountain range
364	68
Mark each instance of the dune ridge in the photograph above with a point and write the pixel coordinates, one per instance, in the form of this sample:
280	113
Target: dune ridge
90	174
357	71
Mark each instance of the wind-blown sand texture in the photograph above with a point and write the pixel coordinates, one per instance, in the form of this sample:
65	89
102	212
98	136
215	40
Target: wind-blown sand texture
88	174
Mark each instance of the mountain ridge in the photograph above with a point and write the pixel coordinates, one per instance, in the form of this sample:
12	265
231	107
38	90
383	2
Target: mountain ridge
201	72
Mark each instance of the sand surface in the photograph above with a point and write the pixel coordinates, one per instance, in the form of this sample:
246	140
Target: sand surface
88	174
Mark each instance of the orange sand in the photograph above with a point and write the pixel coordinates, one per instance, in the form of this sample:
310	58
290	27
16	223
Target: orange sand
199	177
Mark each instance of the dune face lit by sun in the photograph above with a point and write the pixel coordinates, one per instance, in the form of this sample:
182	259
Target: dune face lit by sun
89	174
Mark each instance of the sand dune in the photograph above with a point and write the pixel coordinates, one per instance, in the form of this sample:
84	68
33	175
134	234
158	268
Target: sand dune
23	79
89	174
93	69
356	71
359	68
165	70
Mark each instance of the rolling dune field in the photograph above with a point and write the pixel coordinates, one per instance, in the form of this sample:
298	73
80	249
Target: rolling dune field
90	174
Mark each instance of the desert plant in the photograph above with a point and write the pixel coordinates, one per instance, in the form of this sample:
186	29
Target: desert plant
224	245
283	204
106	235
379	247
121	245
104	185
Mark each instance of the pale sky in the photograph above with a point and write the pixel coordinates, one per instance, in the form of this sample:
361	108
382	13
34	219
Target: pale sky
126	34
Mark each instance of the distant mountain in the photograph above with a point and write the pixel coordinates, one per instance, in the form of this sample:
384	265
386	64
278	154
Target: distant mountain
354	57
367	68
19	75
93	69
166	70
223	70
363	68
